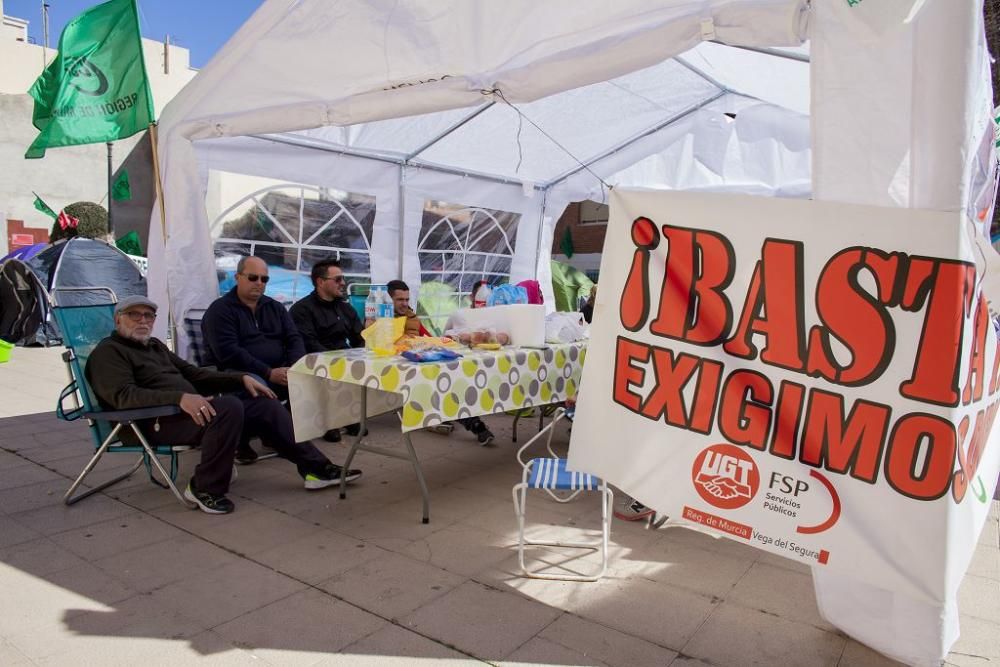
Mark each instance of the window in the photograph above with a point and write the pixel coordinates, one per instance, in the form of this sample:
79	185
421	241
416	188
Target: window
291	227
462	245
592	213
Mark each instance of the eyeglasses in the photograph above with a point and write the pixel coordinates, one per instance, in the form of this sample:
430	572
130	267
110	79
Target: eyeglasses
140	316
253	277
336	279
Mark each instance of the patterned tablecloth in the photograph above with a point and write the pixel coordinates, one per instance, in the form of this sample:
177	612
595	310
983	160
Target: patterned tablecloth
325	387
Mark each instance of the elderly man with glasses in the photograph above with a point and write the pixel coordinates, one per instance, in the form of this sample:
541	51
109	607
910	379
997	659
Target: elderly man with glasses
131	369
326	320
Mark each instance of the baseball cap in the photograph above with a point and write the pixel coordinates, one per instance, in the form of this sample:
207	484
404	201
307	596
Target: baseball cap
132	302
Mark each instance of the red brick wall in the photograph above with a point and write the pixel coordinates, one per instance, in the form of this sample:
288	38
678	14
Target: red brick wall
18	235
586	238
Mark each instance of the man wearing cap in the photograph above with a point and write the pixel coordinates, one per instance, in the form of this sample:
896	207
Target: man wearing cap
131	369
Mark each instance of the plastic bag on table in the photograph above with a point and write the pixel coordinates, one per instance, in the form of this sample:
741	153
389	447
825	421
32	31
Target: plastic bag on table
565	328
430	355
382	335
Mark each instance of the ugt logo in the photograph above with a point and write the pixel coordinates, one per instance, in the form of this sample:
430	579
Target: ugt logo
725	476
86	77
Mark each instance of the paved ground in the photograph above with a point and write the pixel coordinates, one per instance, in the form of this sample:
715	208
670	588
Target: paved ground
302	578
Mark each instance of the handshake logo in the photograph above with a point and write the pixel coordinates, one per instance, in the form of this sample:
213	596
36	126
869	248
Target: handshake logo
725	476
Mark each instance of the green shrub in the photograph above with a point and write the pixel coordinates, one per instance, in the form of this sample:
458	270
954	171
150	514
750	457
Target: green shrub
93	222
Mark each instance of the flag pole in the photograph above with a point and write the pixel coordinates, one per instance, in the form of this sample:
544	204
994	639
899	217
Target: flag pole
158	182
111	222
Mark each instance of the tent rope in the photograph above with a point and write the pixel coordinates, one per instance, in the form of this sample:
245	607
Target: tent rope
496	92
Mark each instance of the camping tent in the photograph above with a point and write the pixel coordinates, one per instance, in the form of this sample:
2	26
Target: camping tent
87	263
26	252
23	306
445	114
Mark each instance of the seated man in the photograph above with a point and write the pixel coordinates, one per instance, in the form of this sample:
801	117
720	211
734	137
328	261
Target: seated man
324	318
326	321
400	293
249	332
131	369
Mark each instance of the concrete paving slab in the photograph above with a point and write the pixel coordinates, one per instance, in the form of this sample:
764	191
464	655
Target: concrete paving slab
776	591
484	622
980	597
16	477
391	585
121	534
11	532
607	645
225	593
391	641
255	532
39	557
318	556
57	518
698	570
859	655
985	563
737	636
465	551
301	627
979	640
156	565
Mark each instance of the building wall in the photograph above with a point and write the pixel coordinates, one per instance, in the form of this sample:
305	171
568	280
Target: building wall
74	173
588	241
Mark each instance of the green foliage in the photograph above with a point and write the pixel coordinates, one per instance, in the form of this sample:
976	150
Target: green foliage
93	222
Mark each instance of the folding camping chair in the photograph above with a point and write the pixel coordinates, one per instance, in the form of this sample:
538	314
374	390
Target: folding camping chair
562	485
83	326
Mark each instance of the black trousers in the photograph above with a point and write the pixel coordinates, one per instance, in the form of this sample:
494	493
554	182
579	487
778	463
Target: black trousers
234	416
472	424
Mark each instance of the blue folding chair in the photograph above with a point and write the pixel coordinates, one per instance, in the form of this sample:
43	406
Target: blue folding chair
83	325
562	485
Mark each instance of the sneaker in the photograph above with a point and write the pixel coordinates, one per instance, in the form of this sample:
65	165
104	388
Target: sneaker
333	435
246	455
330	476
208	503
485	436
633	510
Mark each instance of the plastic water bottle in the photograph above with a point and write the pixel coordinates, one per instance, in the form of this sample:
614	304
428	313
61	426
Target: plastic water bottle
385	303
482	297
371	304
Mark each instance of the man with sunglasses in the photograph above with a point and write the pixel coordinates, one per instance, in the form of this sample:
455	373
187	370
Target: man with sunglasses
131	369
327	321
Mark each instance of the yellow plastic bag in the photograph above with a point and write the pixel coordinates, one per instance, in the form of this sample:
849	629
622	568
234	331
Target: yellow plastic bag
382	335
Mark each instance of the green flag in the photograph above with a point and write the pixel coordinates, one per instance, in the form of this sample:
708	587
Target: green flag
129	244
566	245
44	208
96	88
122	189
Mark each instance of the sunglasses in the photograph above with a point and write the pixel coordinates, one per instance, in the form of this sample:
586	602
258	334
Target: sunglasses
336	279
139	317
253	277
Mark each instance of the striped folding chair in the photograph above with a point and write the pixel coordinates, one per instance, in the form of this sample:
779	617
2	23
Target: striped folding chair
551	475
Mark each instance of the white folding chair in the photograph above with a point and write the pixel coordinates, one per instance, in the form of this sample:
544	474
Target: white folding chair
562	485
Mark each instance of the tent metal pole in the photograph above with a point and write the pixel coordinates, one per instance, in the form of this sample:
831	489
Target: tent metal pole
718	84
449	131
653	130
541	227
399	162
402	222
802	58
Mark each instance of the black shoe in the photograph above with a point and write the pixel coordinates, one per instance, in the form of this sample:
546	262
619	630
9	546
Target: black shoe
245	455
485	436
208	503
352	430
333	435
329	476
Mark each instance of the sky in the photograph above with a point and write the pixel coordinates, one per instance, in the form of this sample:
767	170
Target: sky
202	26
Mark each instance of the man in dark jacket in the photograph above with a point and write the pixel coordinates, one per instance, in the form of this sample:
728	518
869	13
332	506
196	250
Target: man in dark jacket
131	369
327	321
325	318
247	331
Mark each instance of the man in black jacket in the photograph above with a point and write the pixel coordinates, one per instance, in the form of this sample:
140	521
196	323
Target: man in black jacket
327	321
131	369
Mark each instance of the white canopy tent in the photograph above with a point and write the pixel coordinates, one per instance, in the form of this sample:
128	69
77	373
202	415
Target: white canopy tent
515	109
520	106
